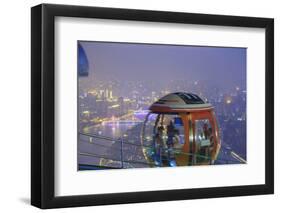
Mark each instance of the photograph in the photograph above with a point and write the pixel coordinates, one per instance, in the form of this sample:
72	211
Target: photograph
143	105
149	105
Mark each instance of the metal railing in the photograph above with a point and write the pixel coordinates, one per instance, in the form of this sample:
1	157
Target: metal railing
114	152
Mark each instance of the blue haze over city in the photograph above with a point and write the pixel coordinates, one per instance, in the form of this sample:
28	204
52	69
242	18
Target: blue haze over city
119	81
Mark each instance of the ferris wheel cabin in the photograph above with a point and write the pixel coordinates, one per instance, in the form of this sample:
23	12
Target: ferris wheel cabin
180	130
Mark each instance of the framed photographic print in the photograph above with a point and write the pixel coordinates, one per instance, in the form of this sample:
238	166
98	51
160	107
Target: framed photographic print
139	106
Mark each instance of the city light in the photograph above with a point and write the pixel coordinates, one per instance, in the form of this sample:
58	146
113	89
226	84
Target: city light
114	106
228	100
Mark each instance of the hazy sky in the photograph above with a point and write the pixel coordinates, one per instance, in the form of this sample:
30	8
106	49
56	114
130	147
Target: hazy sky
224	67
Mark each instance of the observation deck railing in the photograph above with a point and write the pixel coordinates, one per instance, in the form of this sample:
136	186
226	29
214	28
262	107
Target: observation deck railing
117	153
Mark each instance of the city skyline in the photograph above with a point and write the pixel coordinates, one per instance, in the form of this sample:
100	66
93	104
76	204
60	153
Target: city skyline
137	62
120	81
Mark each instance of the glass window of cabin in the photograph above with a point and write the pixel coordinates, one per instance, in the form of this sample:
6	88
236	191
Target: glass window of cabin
203	139
149	129
172	129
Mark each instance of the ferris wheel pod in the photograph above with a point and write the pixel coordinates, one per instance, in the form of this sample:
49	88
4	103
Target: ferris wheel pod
196	122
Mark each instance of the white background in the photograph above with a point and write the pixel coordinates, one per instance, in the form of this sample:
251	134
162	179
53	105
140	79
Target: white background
70	182
15	105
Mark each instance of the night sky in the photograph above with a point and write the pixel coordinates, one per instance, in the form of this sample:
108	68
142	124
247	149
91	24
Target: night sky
220	66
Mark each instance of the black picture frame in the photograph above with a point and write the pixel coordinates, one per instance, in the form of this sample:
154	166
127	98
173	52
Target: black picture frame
43	105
